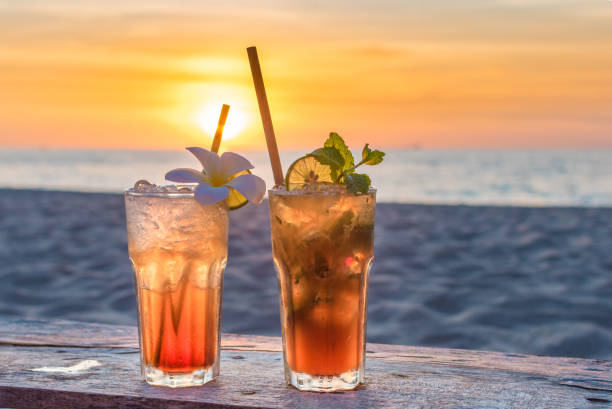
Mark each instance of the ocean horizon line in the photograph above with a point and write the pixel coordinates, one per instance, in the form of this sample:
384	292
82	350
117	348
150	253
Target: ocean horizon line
9	189
484	177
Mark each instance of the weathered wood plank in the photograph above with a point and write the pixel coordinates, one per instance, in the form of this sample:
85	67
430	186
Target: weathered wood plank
66	333
251	375
83	335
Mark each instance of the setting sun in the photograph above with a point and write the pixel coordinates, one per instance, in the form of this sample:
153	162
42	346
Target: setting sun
208	116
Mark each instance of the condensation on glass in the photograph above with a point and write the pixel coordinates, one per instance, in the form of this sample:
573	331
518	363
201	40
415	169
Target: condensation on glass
322	245
178	249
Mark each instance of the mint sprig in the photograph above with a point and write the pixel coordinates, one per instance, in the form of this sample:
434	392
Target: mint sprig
331	157
371	157
357	182
339	158
336	141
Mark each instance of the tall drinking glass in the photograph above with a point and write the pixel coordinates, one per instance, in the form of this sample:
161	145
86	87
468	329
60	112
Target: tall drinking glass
178	249
322	243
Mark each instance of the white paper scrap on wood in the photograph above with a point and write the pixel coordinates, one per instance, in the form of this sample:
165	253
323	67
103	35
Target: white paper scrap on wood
74	369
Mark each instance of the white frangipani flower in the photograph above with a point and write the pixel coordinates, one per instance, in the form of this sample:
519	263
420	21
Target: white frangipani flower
219	176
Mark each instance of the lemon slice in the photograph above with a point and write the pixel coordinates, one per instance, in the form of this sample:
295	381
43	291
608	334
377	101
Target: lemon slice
306	172
235	199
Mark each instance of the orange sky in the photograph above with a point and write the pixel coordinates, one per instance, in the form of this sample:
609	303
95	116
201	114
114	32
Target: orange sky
472	73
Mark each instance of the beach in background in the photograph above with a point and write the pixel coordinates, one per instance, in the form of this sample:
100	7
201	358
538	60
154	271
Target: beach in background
535	278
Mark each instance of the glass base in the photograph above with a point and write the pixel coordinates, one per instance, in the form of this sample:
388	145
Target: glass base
157	377
346	381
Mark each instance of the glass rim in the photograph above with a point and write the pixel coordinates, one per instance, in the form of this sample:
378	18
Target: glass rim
283	192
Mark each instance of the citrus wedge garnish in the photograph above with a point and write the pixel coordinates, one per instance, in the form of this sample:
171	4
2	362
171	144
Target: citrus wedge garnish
306	172
235	199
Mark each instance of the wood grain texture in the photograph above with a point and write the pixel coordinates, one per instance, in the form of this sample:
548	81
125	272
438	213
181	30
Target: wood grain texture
251	375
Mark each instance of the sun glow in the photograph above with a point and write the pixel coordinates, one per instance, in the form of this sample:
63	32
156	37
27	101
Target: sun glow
208	117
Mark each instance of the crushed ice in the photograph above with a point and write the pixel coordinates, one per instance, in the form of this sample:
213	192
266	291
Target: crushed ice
144	186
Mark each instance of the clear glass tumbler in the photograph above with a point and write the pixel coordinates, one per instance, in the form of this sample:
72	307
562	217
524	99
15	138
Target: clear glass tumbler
178	249
322	243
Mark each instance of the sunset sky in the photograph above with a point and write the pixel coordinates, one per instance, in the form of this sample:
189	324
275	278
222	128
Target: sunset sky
153	74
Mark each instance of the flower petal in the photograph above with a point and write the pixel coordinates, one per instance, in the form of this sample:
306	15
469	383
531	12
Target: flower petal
184	175
251	186
232	163
206	194
210	161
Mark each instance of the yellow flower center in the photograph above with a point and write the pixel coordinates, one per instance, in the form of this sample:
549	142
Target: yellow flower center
216	180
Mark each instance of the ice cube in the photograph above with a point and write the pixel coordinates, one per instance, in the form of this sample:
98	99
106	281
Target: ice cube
159	270
205	274
143	186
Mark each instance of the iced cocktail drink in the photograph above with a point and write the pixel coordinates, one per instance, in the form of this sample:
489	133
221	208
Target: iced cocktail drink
178	249
323	246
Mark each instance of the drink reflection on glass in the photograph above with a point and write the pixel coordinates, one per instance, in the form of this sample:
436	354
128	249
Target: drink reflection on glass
178	249
323	247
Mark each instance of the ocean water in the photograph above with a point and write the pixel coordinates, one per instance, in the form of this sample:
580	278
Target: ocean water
478	177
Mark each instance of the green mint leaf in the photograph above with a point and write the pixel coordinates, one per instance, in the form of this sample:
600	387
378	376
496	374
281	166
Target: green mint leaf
371	157
366	151
357	182
341	223
330	156
336	141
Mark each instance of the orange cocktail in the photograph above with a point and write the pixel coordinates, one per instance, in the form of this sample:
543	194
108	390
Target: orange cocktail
178	249
323	246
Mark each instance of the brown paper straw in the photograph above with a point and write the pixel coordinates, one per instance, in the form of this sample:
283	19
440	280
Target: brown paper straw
219	132
266	119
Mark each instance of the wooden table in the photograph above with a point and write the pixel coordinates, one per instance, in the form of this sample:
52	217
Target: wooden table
251	375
